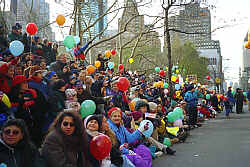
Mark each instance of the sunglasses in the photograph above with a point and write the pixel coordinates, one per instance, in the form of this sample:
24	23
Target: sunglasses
79	88
9	132
68	123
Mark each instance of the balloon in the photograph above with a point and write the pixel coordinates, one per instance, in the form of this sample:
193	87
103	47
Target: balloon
172	116
183	84
177	71
167	142
157	69
208	96
31	28
133	103
178	123
123	83
90	69
77	40
165	91
60	19
245	94
100	146
69	41
173	78
165	85
108	53
155	84
87	108
6	100
233	92
179	111
147	133
97	64
208	77
120	66
184	70
177	86
16	48
113	52
111	65
231	83
160	84
131	60
162	73
167	68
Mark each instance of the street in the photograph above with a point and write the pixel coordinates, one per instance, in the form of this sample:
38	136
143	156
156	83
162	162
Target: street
218	143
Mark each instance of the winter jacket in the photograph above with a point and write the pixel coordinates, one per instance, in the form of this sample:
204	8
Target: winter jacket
47	54
239	97
59	154
122	135
248	95
12	156
96	88
190	99
86	95
13	36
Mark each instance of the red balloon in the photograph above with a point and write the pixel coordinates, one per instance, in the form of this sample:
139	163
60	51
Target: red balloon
162	73
31	28
82	56
123	84
113	52
100	146
177	80
120	66
208	77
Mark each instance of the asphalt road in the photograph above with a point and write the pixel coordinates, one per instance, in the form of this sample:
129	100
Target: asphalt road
218	143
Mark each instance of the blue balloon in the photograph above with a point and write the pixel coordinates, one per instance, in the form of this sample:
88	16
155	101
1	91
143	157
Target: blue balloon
147	133
177	86
16	48
77	40
231	83
111	65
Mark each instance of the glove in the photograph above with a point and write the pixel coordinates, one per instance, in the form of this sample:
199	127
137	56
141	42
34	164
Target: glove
27	104
143	128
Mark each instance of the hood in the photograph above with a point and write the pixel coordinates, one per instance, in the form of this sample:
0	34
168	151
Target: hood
5	145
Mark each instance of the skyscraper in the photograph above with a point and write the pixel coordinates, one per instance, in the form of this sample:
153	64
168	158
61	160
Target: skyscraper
91	11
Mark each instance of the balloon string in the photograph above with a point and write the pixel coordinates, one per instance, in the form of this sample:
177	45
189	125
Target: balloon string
31	37
61	31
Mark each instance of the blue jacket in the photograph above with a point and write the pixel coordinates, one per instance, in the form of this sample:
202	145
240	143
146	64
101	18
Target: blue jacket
123	135
190	98
248	95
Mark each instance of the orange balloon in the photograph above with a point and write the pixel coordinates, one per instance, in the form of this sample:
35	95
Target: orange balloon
90	69
108	53
97	64
60	20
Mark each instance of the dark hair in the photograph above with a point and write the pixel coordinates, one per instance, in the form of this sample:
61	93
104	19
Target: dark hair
28	148
56	125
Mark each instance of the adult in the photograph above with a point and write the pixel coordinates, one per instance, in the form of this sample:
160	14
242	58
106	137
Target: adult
66	143
47	54
248	97
239	98
191	100
16	148
140	156
102	60
15	34
230	97
59	64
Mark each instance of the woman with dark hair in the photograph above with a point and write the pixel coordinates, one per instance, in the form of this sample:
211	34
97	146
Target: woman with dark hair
66	143
16	148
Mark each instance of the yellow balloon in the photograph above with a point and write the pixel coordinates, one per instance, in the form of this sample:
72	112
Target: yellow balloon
97	64
160	84
155	84
6	100
186	79
108	53
131	60
177	71
182	84
60	20
167	68
173	78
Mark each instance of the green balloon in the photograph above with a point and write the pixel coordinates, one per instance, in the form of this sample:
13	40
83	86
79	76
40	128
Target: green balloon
208	96
172	116
245	94
184	70
233	92
157	69
69	41
178	111
165	85
167	142
87	108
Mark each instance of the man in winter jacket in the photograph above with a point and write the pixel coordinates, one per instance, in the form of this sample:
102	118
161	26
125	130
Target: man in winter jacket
248	97
239	97
191	99
59	64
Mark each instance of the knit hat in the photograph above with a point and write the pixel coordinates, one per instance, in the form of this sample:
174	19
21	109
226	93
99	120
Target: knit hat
70	93
59	84
50	75
113	110
152	106
139	104
89	118
136	115
18	79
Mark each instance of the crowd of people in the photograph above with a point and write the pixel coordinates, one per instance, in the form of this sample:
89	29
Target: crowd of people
43	122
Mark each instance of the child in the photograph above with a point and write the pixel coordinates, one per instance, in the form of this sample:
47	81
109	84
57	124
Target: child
228	107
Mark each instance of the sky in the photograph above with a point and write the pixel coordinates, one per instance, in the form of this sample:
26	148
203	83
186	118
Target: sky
227	12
